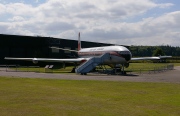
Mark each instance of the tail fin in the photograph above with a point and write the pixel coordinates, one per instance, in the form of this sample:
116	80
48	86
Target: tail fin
79	42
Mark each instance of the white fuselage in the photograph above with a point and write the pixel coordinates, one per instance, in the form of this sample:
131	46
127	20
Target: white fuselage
118	54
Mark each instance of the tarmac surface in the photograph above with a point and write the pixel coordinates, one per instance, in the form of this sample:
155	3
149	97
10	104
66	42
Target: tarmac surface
170	76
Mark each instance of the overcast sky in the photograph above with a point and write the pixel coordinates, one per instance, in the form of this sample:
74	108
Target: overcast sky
126	22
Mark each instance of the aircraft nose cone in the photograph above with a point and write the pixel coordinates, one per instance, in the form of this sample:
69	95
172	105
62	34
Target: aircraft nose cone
127	57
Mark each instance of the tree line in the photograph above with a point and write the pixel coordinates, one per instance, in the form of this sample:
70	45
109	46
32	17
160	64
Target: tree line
140	51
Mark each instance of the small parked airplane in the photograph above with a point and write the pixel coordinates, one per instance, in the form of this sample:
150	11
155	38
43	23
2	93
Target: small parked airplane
117	55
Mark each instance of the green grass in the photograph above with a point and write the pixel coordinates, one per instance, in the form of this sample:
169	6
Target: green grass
176	64
20	96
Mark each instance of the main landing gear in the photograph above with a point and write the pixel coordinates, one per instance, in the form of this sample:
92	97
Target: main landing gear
116	70
83	73
122	71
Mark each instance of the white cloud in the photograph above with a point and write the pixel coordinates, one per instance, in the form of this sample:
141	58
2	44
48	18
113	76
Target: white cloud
17	18
102	21
2	7
166	5
19	9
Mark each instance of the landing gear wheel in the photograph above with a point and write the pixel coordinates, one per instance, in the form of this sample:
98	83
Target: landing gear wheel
123	73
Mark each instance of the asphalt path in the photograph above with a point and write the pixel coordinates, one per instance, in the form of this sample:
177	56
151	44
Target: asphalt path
170	76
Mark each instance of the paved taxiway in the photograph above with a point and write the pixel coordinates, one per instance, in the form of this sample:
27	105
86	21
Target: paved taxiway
171	76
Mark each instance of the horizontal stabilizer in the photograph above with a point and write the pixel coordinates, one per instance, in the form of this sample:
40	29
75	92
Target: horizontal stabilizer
63	49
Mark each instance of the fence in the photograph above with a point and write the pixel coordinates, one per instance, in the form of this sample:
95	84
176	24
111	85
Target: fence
155	69
2	67
18	68
49	69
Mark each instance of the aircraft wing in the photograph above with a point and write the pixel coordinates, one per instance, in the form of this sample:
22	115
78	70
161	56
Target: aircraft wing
161	57
35	60
150	58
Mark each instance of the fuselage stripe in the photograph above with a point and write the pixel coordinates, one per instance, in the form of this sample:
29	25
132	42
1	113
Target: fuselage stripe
98	53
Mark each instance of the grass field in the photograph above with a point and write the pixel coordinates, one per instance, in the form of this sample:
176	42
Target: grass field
41	97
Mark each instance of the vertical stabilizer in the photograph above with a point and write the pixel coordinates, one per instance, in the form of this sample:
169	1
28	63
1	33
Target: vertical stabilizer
79	42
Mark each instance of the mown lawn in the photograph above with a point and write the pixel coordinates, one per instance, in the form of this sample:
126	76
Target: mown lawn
41	97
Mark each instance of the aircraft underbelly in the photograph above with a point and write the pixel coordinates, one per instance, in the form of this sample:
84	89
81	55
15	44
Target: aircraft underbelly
115	60
112	60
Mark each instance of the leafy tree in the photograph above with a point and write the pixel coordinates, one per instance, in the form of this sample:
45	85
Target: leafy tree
138	51
158	52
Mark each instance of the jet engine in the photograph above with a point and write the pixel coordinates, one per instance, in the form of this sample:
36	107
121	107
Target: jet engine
35	61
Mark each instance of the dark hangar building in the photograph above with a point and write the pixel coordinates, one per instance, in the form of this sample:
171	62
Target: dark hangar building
37	46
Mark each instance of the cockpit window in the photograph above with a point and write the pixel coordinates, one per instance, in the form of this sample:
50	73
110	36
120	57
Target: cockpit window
126	55
124	52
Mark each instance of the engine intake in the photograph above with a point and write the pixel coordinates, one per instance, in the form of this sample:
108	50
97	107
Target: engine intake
35	61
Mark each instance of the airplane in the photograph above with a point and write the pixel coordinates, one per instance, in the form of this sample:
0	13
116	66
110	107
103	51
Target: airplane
116	55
